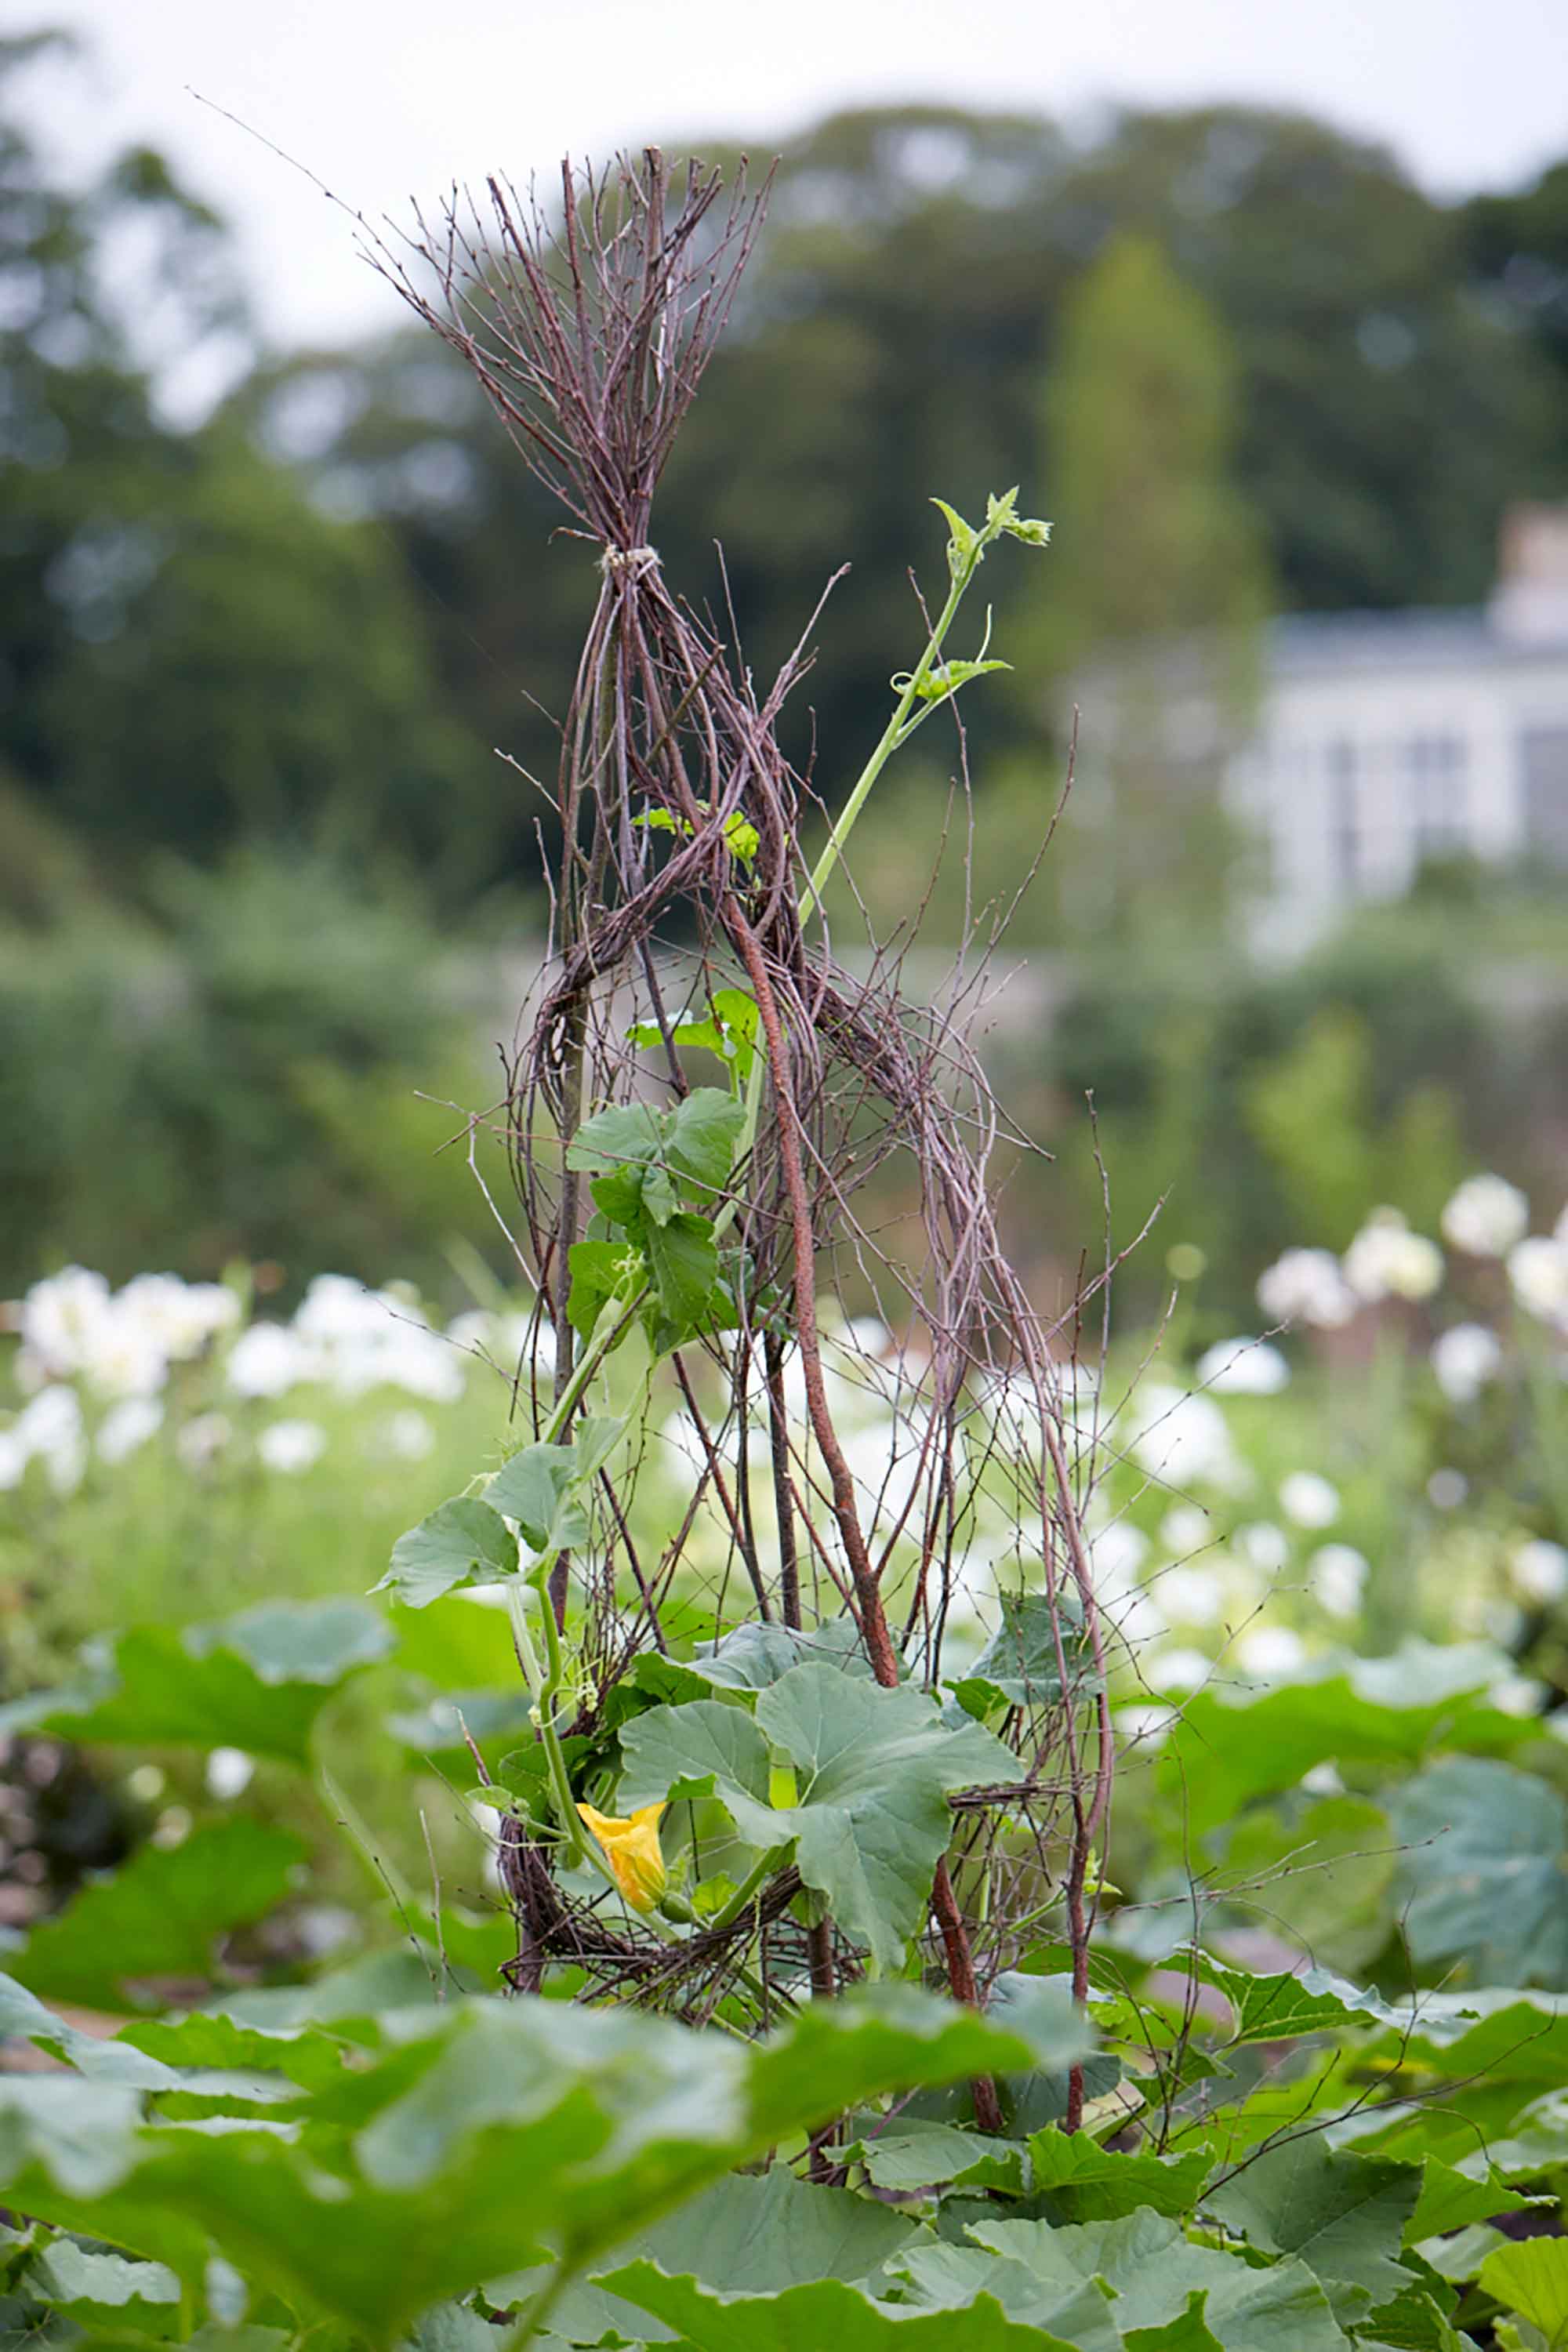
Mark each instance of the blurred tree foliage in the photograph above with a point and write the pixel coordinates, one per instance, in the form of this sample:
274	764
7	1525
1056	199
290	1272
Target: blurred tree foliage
1153	607
254	671
1516	247
195	654
238	1073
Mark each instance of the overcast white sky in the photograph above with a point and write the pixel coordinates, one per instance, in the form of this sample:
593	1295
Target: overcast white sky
386	98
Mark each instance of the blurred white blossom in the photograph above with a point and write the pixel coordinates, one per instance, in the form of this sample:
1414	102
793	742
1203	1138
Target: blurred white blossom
1538	1270
292	1446
62	1317
1270	1650
1185	1528
229	1773
1486	1216
49	1427
1540	1571
268	1360
1180	1437
1464	1359
408	1436
1386	1260
1516	1695
177	1317
1190	1596
1180	1669
1144	1727
127	1426
1116	1552
1308	1500
1339	1578
1446	1489
1306	1286
1263	1546
1243	1368
366	1339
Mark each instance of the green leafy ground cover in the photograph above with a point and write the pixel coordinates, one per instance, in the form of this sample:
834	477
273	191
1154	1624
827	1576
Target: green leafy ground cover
1326	2042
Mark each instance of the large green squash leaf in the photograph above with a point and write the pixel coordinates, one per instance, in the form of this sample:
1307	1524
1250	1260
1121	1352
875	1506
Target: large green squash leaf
876	1769
24	2018
1483	1872
754	1655
1153	2271
1087	2182
469	2142
161	1915
463	1542
828	2313
1345	2215
1531	2278
747	2234
1020	1664
256	1680
1229	1748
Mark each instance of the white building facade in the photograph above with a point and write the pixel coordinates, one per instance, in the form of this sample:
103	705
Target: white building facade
1384	740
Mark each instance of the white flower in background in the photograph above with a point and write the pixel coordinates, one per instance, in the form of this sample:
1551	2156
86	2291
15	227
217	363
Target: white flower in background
1308	1500
1516	1695
1144	1727
1190	1596
336	1308
127	1426
366	1339
1177	1670
1243	1368
1339	1578
49	1429
1263	1546
179	1317
1386	1260
15	1457
1486	1216
1116	1555
51	1417
1325	1780
1186	1529
1180	1437
1465	1359
422	1363
1540	1571
124	1357
292	1446
268	1360
1137	1617
1272	1650
201	1440
1560	1230
408	1436
1306	1286
1538	1270
62	1316
229	1773
1446	1489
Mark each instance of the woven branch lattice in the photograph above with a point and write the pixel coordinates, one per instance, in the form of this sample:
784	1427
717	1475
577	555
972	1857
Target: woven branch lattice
589	329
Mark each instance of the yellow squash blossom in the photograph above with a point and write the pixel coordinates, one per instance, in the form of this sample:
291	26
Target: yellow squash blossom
632	1851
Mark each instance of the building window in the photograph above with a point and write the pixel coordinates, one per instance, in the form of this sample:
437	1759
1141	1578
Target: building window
1437	766
1543	768
1344	816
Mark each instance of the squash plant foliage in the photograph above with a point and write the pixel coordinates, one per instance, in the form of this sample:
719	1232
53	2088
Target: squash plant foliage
800	2023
